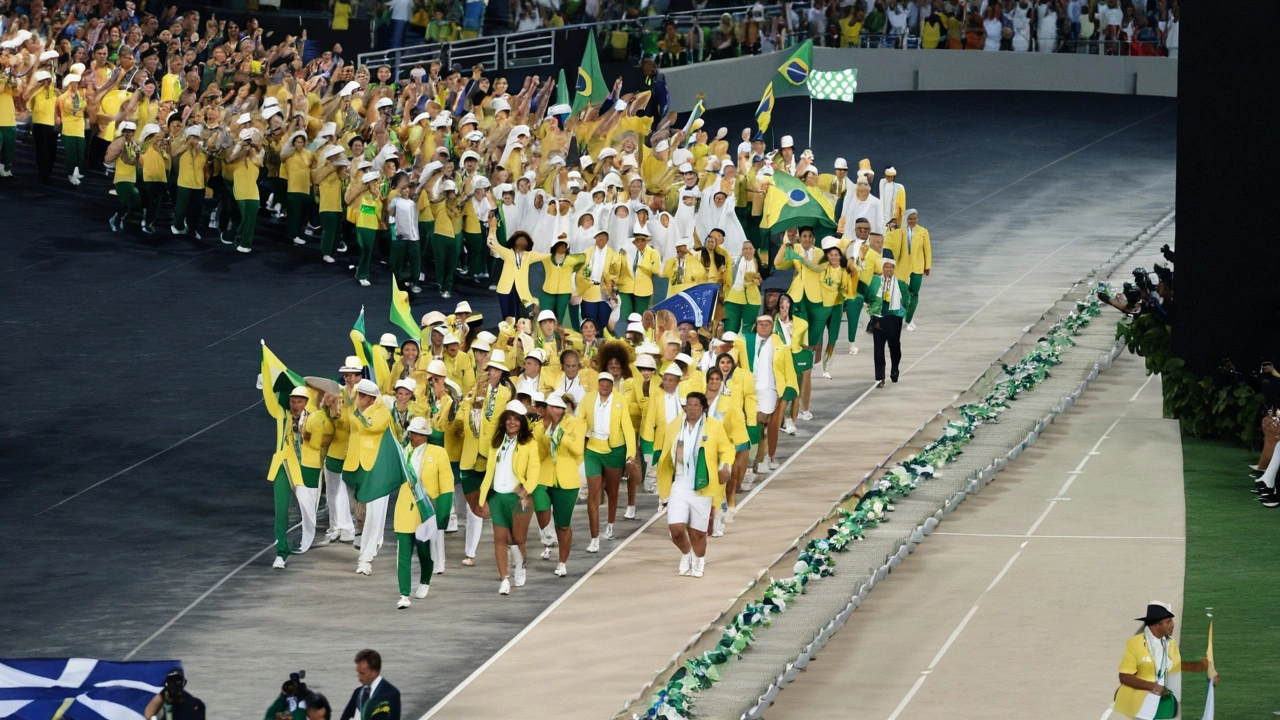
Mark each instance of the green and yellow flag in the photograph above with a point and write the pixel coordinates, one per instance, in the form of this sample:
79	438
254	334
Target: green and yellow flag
384	477
277	382
790	203
764	111
590	87
402	314
792	77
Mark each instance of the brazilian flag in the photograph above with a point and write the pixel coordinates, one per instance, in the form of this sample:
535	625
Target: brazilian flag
790	203
384	477
590	87
792	77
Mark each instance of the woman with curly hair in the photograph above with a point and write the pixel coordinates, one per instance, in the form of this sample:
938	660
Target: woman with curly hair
616	359
510	479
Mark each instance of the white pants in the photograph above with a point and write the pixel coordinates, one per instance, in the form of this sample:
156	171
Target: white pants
686	507
308	501
1269	475
475	523
375	521
339	504
766	400
437	549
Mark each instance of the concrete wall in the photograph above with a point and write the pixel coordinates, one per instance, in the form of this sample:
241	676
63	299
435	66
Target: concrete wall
742	80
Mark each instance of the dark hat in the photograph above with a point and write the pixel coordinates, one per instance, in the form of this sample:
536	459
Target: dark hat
1156	612
887	254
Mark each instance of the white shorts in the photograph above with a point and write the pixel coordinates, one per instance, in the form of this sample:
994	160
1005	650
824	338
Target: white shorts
686	507
766	401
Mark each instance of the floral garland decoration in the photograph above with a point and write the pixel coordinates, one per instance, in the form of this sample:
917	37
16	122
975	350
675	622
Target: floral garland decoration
675	700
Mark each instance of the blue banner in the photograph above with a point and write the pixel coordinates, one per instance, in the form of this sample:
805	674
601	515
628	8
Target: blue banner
32	689
694	305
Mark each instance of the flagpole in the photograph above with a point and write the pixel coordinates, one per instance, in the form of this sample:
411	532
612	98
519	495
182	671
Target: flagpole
810	122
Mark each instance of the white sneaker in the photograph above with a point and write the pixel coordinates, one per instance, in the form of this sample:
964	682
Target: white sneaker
4	172
73	180
748	481
518	577
173	230
717	526
504	587
561	570
422	591
788	427
364	568
594	545
278	564
446	295
806	415
699	567
363	283
347	536
299	241
548	536
826	375
404	602
328	258
608	531
416	289
546	553
453	523
853	349
729	513
439	570
911	327
686	564
773	464
331	534
243	249
630	514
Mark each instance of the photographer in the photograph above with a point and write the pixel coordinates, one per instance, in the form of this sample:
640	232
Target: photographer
174	702
1149	292
291	703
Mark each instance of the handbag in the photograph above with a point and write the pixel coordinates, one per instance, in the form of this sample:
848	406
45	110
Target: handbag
1168	707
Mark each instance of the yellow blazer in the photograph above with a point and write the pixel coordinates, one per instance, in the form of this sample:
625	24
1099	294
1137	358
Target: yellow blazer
462	370
896	242
342	424
694	273
436	475
475	437
621	431
784	367
921	252
637	273
318	433
737	407
588	287
526	463
563	471
715	443
750	292
1137	661
655	417
559	278
452	429
799	333
805	283
516	275
366	429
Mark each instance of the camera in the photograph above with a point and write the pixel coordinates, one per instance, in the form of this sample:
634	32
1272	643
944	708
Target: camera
295	686
1167	252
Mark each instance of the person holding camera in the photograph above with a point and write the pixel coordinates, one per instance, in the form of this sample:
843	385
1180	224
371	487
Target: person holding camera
173	701
291	703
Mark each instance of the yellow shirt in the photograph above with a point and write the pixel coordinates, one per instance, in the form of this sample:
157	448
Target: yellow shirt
370	210
245	180
331	193
170	87
638	270
432	465
7	116
43	105
559	277
125	172
298	166
155	164
191	167
110	105
73	107
1138	661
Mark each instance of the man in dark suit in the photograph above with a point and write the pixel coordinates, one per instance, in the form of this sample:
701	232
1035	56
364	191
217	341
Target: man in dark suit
375	699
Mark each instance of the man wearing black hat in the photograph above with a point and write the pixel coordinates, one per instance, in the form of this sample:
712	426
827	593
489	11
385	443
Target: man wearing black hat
1151	669
174	702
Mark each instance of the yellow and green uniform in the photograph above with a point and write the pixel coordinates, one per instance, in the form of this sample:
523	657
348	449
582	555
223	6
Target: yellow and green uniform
635	281
683	273
155	179
125	179
561	451
8	119
72	107
298	187
190	194
714	451
479	425
330	191
446	241
428	488
369	210
557	283
43	105
806	289
611	449
526	465
856	287
244	179
741	304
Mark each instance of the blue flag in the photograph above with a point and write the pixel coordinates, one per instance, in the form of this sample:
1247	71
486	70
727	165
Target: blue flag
695	305
31	689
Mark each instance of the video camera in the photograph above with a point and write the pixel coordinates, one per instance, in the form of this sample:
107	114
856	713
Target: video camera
294	686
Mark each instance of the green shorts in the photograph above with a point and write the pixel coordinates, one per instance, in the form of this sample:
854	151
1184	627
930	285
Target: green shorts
310	477
562	503
753	432
503	507
743	447
471	481
333	464
541	500
803	361
596	462
818	315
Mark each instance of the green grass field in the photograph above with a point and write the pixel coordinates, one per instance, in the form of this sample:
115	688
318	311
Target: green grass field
1233	568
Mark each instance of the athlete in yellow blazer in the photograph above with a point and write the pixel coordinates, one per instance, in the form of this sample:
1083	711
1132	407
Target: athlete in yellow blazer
635	284
427	467
806	283
515	264
690	503
917	247
684	270
561	441
609	449
510	479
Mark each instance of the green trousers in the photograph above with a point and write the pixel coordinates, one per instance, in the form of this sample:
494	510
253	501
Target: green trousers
127	194
629	303
406	260
426	231
329	223
186	209
73	151
736	314
248	221
8	140
916	281
477	253
557	303
445	249
853	313
366	238
155	194
406	546
297	209
283	492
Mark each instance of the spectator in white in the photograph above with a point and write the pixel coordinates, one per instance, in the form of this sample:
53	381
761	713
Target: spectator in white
818	22
1169	30
401	11
1110	18
993	27
530	18
1021	26
1047	21
897	23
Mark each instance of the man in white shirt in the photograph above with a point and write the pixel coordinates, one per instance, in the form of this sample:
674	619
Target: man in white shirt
688	511
406	251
